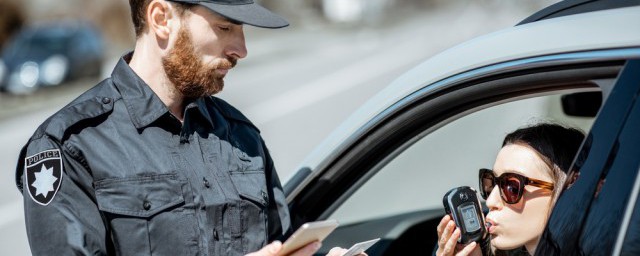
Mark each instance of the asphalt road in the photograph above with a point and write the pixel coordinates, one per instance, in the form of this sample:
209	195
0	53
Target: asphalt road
296	85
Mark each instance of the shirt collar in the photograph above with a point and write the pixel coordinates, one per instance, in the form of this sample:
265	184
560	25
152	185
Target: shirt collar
142	103
202	106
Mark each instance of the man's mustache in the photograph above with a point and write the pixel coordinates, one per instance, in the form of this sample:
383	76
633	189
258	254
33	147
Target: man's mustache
227	63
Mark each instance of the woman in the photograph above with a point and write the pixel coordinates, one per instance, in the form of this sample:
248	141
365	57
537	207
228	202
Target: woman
520	191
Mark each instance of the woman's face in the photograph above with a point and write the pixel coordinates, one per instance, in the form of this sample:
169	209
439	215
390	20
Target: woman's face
522	223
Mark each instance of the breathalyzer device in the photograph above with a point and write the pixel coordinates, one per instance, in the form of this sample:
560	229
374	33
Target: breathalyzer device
463	205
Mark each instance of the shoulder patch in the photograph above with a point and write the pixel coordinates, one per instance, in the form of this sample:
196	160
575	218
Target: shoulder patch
43	175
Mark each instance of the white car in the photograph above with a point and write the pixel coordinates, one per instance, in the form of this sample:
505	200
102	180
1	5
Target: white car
383	172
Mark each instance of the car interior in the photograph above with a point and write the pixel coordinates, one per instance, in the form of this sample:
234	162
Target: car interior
402	202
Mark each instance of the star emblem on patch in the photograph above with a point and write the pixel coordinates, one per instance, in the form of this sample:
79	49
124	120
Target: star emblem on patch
43	175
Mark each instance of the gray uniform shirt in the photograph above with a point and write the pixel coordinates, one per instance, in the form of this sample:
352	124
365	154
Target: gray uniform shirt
114	172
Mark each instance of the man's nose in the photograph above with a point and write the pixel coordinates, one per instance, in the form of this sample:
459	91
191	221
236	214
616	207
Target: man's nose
237	47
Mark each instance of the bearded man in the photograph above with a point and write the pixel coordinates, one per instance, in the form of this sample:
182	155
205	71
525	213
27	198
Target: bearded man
148	162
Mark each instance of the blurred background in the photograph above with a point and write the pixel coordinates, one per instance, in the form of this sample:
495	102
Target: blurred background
297	84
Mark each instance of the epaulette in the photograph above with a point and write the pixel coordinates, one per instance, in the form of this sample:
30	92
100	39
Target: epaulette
92	104
231	112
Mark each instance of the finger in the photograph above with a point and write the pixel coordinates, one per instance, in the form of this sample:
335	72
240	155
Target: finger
446	233
307	250
336	251
442	224
467	249
450	246
271	249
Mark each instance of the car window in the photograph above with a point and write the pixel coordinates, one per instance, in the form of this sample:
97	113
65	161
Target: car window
615	189
616	195
594	211
417	178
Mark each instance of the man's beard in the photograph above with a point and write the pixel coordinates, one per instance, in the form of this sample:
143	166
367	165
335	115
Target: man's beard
189	75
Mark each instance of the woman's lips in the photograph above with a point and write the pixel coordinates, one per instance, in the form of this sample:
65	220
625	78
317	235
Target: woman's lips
491	225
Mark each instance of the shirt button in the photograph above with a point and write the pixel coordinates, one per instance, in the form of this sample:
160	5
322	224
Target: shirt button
106	100
215	235
146	205
206	183
265	196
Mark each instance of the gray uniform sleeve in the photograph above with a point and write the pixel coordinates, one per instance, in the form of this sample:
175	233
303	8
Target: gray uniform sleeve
61	215
278	212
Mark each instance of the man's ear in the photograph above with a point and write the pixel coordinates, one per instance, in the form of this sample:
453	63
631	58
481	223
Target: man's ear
159	18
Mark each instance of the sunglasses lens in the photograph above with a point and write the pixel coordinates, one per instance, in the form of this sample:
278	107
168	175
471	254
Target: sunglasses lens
486	184
511	189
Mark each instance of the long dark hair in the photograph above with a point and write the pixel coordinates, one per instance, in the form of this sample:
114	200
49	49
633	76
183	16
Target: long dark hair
557	146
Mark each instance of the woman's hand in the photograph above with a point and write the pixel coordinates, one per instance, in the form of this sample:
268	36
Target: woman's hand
448	235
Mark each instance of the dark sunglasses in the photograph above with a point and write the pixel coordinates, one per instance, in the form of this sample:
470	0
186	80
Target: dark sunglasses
511	185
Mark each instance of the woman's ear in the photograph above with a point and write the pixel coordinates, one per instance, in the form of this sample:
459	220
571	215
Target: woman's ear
158	16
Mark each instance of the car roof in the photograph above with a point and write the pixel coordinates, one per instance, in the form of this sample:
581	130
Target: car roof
571	7
606	29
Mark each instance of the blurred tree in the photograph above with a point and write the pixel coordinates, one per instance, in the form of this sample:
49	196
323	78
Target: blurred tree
114	18
11	20
111	17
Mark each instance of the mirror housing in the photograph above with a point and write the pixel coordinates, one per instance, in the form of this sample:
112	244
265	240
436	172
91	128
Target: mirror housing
582	104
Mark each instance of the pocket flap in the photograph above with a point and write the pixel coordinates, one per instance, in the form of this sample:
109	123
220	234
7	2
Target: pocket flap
251	185
139	196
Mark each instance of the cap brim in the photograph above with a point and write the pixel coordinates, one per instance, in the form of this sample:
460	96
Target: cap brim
250	14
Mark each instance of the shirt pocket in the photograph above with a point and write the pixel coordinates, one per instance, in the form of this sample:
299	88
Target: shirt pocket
246	220
147	215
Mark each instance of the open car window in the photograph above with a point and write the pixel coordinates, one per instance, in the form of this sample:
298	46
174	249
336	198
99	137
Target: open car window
402	202
450	156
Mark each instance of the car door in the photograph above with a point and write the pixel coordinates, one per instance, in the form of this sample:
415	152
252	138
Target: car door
592	216
371	154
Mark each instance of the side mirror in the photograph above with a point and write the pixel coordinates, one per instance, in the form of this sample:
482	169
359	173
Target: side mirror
582	104
297	178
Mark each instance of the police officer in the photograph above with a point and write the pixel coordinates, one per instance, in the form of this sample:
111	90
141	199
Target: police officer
148	162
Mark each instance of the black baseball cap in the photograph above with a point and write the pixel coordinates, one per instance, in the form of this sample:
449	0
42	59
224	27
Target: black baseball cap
242	11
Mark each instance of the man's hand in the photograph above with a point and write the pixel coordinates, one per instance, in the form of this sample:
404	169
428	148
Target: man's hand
273	249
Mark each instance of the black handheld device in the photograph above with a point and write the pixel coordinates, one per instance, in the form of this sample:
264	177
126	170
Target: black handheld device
463	205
